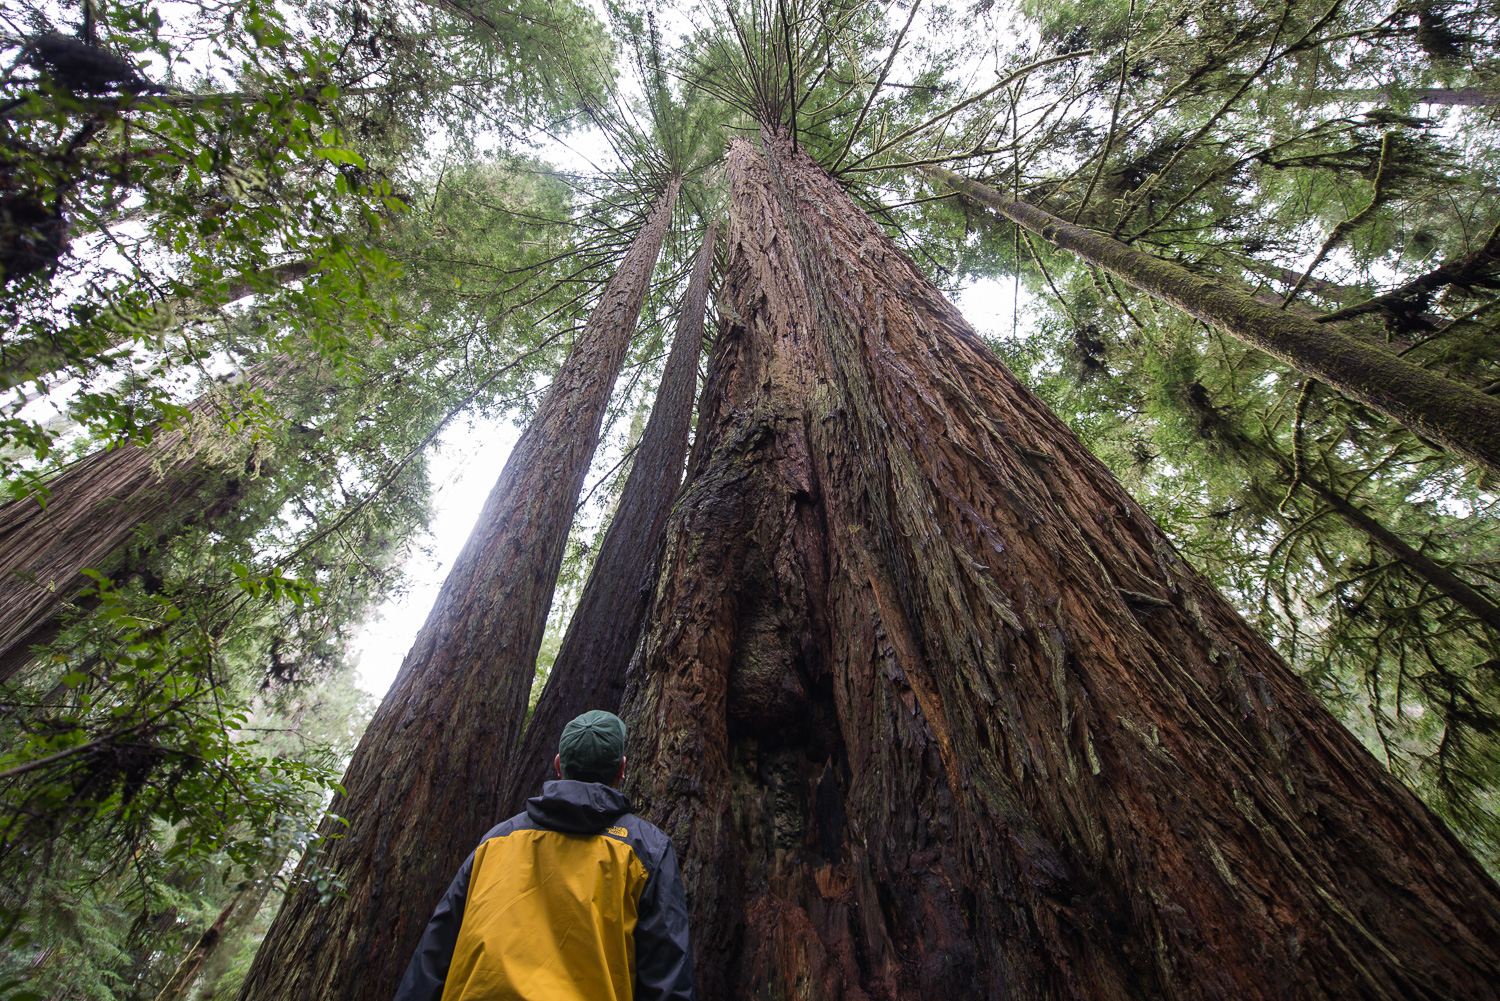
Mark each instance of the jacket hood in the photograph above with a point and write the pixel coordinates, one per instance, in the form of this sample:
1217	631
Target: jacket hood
577	807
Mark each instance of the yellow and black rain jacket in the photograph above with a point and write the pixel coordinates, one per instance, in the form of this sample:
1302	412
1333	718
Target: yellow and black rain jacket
577	899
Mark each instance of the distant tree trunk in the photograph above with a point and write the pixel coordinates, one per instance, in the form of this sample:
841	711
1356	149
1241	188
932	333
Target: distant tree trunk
933	710
27	359
96	509
589	671
239	912
425	781
1458	97
1450	413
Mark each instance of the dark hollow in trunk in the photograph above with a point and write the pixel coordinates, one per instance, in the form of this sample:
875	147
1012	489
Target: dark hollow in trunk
425	781
1454	415
914	727
589	671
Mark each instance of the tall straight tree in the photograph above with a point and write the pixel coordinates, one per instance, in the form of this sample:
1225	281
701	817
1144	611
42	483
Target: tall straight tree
426	780
1457	416
932	708
589	670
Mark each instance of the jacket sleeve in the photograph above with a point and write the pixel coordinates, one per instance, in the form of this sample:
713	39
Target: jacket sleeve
428	969
663	951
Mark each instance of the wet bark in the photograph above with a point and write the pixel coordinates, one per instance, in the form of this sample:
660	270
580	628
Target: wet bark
1454	415
425	781
97	508
589	671
933	710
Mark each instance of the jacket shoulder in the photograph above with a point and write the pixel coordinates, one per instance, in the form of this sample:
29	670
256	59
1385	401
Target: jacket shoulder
648	839
520	822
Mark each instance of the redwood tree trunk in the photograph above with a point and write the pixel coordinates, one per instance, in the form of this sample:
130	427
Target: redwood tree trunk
426	780
97	507
1453	414
589	671
933	710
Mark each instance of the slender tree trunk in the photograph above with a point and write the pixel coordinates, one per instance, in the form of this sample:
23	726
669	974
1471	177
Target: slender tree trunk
236	914
1452	414
1458	97
97	507
212	973
589	671
426	779
933	710
1418	563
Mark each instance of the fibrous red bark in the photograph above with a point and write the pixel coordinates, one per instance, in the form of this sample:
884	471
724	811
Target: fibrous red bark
425	781
95	510
589	670
933	709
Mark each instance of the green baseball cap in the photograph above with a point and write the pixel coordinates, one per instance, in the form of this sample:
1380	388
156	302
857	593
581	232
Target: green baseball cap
592	745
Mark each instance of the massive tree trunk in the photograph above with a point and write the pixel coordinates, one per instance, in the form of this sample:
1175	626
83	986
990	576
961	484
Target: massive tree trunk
589	671
1456	416
96	508
933	710
426	779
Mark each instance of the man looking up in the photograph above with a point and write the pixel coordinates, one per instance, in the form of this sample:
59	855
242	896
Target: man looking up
577	899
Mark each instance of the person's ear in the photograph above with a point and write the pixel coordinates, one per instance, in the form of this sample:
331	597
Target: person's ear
620	775
557	765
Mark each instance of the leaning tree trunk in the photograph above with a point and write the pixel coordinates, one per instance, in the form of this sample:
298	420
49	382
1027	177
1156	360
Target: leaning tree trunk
589	671
1456	416
426	779
95	510
1417	563
238	913
33	357
933	710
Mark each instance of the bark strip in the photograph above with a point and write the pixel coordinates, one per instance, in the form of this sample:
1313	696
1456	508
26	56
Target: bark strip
1452	414
425	781
589	672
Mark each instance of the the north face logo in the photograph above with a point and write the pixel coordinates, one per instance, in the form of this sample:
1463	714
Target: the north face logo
618	832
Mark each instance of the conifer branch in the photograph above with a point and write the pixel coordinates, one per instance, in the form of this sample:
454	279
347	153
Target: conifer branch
1377	197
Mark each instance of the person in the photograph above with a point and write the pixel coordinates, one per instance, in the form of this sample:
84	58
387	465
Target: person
576	899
